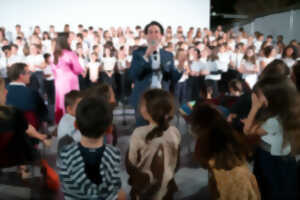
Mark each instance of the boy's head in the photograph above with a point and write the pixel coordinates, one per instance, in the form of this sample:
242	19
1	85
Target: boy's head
103	90
71	101
93	117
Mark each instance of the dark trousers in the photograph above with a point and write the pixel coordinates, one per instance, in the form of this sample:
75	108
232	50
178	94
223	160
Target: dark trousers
181	92
276	176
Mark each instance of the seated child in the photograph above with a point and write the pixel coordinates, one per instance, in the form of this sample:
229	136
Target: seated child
223	152
90	169
66	131
153	156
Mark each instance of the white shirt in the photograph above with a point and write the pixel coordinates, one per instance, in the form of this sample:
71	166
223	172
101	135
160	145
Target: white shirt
4	64
257	45
184	76
109	63
236	59
274	137
250	78
224	60
156	77
48	71
213	66
289	62
93	70
66	127
34	61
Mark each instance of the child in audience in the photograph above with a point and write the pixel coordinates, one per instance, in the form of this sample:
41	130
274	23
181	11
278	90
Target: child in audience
275	116
93	67
106	92
154	149
90	169
223	152
66	131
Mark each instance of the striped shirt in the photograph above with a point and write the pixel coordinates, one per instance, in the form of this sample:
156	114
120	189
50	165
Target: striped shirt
74	181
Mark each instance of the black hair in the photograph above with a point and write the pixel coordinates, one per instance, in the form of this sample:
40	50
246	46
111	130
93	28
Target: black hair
154	23
6	47
93	117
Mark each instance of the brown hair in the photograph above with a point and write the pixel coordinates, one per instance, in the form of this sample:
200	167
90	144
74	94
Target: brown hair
61	44
217	140
71	97
277	68
296	75
160	106
16	70
283	102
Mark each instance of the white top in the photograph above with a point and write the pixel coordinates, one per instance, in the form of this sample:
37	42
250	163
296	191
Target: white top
34	62
4	64
109	63
236	59
93	71
224	60
274	137
156	77
46	46
257	44
49	73
289	62
213	66
184	76
250	78
197	66
66	127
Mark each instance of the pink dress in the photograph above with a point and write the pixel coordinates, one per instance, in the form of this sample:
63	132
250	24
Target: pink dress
66	79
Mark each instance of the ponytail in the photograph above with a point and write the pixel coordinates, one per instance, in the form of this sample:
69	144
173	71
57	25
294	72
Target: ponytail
163	125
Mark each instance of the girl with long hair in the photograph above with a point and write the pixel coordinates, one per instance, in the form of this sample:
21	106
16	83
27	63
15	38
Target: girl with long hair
66	70
154	149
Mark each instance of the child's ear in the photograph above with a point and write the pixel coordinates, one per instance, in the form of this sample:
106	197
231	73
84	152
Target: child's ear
75	124
109	129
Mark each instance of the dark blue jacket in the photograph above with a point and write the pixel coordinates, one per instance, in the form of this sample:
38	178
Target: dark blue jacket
140	72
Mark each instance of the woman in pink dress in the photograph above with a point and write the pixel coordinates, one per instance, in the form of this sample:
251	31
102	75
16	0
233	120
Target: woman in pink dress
66	69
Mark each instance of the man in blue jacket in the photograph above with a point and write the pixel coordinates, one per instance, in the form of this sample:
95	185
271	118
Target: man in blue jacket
151	67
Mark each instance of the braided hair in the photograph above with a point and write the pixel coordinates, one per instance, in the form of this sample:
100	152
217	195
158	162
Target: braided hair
159	105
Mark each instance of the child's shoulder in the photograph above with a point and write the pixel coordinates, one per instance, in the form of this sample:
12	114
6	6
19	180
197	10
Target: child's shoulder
175	130
113	151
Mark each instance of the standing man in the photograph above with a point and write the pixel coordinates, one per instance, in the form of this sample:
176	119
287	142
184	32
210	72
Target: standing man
151	67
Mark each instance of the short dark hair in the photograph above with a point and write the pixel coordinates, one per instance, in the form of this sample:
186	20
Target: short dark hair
16	70
100	90
93	117
71	97
154	23
6	47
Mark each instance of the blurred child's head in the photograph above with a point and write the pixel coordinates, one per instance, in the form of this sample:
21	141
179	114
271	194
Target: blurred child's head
94	56
104	91
157	106
276	69
218	146
93	117
47	57
235	87
71	101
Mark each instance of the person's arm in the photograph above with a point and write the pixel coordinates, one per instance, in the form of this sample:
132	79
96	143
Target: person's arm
32	132
139	68
250	125
76	66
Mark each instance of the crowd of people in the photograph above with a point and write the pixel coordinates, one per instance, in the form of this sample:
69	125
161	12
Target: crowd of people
242	92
